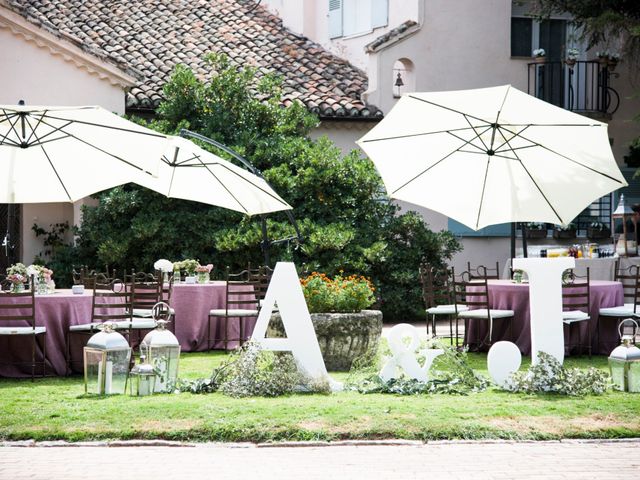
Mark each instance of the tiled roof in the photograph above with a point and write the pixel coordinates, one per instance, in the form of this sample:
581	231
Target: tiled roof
150	37
401	31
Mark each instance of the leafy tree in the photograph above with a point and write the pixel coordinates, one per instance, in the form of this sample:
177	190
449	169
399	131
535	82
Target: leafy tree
347	223
602	21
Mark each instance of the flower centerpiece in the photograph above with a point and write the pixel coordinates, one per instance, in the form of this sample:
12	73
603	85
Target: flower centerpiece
17	275
539	55
165	266
345	329
42	278
608	59
598	231
564	231
536	230
572	57
204	273
187	266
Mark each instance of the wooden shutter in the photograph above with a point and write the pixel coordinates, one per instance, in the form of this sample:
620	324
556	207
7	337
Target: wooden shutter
335	18
379	13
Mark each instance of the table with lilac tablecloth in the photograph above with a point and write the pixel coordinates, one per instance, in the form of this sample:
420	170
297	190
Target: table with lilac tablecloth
506	295
57	312
192	303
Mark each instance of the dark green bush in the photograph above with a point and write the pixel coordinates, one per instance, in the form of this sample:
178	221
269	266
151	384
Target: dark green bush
347	222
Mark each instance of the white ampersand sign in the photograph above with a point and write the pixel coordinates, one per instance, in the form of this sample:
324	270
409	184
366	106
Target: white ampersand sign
404	355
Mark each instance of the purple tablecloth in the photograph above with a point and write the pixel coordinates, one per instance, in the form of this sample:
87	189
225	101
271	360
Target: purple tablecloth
56	312
60	310
506	295
192	303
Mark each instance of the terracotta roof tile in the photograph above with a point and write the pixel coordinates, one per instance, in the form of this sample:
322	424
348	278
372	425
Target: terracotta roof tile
149	37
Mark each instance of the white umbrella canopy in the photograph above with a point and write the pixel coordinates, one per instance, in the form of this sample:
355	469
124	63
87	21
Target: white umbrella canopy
492	155
63	154
189	172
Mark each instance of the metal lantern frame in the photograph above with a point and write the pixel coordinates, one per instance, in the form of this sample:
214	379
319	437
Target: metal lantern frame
624	368
162	349
623	211
142	379
113	354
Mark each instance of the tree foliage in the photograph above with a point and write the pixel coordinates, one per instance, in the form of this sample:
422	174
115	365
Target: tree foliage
602	21
347	222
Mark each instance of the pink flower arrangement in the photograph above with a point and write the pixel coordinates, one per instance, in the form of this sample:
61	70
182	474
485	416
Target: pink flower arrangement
16	278
204	268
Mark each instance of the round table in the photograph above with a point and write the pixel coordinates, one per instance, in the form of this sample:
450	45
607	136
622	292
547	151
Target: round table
192	303
59	310
507	295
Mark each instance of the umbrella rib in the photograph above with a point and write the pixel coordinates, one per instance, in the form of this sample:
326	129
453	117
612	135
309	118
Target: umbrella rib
475	131
551	124
122	129
12	125
417	134
535	183
438	162
484	186
55	130
515	148
448	108
480	150
505	138
249	181
56	172
173	170
501	107
223	185
34	129
99	149
567	158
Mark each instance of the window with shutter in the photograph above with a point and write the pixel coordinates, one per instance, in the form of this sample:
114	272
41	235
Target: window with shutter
335	18
379	13
521	37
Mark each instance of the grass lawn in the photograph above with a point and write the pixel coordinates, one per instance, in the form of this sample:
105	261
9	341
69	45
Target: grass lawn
56	409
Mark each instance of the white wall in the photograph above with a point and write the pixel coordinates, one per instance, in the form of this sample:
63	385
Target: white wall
34	74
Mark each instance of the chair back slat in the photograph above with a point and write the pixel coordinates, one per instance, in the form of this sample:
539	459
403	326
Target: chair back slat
436	286
17	306
630	280
111	301
576	293
471	291
481	271
145	290
241	291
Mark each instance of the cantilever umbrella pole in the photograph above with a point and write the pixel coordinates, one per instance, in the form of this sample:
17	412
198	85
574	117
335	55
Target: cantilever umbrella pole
266	243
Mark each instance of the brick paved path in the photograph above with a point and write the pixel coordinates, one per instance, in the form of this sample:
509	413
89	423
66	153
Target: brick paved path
468	461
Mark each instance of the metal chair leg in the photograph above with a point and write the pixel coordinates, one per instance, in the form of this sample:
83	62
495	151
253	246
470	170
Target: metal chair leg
44	354
33	357
209	333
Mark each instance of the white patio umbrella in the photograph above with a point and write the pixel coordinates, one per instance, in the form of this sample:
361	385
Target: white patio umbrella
192	173
63	154
492	155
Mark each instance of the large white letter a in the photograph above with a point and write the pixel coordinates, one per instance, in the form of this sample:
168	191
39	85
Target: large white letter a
285	291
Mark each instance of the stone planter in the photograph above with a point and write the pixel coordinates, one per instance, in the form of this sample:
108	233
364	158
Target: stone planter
342	337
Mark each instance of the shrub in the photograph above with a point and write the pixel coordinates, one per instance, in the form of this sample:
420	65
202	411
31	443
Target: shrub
341	295
550	376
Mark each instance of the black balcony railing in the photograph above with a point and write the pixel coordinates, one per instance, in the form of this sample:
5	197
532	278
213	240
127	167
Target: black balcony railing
582	87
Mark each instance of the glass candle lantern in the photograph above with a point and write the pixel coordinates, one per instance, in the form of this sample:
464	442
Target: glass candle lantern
106	362
142	379
163	350
624	363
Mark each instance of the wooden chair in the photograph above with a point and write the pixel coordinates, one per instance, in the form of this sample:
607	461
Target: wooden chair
630	279
260	278
438	298
242	302
481	272
111	302
576	298
20	308
473	293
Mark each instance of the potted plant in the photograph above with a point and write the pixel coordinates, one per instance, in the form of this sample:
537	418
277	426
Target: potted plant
539	55
536	230
564	231
613	60
598	231
572	57
345	329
